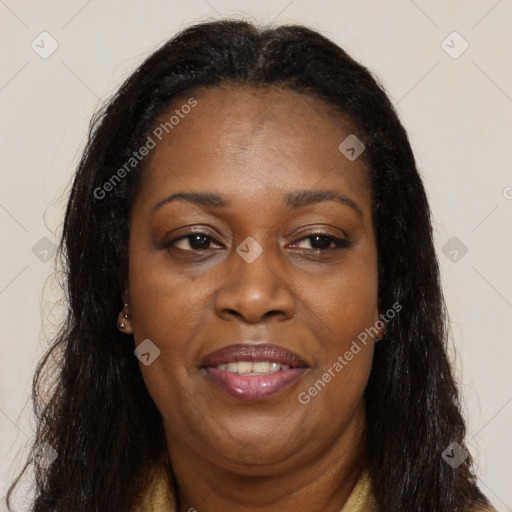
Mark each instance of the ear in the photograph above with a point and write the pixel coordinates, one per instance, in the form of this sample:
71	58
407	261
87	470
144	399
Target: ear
124	297
379	324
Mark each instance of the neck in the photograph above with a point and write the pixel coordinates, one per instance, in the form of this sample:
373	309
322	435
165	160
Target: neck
323	481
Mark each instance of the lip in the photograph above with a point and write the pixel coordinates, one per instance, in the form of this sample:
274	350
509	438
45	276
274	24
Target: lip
258	387
254	353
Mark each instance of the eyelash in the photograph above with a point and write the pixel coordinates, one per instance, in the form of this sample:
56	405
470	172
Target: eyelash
339	243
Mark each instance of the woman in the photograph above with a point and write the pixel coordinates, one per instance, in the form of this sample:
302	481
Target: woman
255	314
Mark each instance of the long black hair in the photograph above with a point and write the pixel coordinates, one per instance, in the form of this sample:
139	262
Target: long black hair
98	415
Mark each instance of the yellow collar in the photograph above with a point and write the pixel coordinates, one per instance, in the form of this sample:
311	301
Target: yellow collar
159	495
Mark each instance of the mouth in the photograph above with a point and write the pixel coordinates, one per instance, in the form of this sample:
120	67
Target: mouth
253	372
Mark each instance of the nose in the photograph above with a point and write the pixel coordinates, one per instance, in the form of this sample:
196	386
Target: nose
255	291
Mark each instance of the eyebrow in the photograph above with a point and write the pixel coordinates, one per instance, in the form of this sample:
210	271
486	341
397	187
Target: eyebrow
294	200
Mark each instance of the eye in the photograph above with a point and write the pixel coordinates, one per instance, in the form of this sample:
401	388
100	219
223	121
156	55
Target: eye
323	242
193	242
198	241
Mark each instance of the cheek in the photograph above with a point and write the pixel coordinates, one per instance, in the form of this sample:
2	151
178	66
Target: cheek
347	374
347	308
167	309
161	299
348	302
164	310
339	382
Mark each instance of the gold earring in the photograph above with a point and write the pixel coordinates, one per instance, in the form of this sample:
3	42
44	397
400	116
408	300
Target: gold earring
121	325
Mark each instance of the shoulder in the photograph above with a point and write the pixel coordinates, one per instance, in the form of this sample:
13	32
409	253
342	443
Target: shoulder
362	500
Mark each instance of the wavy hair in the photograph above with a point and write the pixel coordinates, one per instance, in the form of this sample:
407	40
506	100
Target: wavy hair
97	413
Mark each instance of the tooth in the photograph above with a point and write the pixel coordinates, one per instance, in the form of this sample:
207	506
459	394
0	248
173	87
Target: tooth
249	368
261	367
274	367
244	367
232	367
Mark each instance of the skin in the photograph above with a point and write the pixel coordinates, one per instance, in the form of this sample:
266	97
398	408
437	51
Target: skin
253	147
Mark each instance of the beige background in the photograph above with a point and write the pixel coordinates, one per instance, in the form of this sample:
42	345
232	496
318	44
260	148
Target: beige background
457	112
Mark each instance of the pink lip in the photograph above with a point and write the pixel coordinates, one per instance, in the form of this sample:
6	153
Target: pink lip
258	387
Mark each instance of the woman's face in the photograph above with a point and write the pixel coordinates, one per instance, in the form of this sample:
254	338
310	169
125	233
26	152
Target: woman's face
263	262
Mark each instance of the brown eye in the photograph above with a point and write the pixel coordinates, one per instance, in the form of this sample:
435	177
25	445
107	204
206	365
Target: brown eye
323	242
193	242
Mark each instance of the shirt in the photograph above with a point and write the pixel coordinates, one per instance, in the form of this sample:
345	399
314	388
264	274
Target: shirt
159	496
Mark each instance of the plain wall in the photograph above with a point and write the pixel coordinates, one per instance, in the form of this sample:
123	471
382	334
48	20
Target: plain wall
457	112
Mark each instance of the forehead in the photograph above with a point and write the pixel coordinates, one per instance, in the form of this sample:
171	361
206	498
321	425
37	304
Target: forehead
245	141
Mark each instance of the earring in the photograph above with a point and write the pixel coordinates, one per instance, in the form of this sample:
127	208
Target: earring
382	335
123	322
